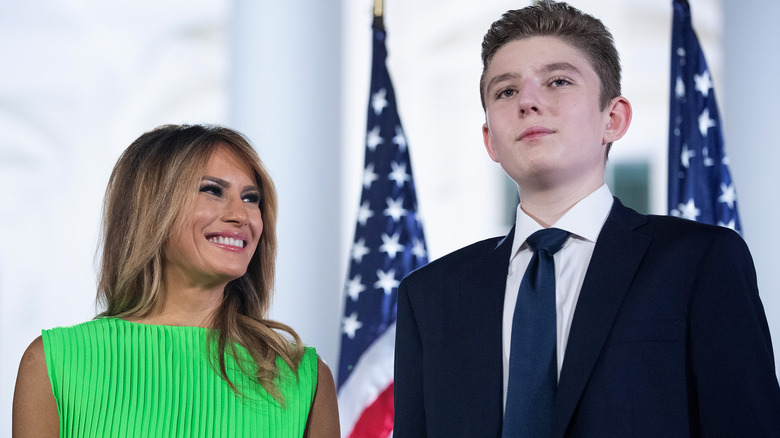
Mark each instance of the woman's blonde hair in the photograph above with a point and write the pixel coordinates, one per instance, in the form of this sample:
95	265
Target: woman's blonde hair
151	189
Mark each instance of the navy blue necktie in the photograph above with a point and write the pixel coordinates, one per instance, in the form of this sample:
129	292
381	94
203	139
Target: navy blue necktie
533	367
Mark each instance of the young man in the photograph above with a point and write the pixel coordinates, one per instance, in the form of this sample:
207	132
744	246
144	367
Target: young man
655	328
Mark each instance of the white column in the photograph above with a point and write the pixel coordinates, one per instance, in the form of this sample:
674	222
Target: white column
285	88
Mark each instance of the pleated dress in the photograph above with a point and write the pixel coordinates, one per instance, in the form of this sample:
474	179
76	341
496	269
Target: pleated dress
114	378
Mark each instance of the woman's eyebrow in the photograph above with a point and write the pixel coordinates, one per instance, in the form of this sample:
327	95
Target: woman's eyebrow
223	183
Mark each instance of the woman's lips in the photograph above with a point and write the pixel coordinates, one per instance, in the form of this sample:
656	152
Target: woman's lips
229	240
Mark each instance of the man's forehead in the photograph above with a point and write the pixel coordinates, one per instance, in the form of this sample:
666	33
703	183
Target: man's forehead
538	51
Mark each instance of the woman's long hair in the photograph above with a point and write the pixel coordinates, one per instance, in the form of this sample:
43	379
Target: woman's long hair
152	188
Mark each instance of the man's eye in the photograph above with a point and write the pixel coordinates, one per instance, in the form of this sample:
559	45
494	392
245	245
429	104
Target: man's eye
560	82
506	93
211	189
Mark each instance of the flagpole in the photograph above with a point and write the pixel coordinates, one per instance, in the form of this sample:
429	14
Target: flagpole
379	13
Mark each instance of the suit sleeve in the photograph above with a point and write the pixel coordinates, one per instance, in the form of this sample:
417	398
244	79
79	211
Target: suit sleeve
409	406
731	358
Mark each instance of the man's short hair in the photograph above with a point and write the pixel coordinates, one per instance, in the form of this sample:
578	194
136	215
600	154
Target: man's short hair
578	29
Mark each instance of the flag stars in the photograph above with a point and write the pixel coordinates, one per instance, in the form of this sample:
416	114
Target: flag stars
354	287
728	195
703	83
386	281
700	186
686	155
351	325
364	213
418	249
390	245
379	101
399	138
399	174
374	139
731	225
359	249
395	208
705	122
369	176
687	210
679	88
708	161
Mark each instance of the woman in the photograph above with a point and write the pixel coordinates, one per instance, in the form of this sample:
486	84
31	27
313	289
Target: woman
183	347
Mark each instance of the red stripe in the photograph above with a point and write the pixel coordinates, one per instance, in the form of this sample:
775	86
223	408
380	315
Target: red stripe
376	421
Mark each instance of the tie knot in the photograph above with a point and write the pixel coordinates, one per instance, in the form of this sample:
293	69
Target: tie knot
549	240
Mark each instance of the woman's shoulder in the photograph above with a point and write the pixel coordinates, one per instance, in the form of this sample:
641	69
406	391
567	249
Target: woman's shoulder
34	407
34	357
97	323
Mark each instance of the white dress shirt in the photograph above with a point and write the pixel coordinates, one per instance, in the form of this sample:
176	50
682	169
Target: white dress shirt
584	221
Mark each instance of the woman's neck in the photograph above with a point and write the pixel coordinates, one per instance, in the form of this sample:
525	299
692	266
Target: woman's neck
184	305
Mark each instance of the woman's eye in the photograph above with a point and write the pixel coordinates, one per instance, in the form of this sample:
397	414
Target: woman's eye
252	198
211	189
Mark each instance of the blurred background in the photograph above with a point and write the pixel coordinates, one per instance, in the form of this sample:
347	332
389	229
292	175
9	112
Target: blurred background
81	79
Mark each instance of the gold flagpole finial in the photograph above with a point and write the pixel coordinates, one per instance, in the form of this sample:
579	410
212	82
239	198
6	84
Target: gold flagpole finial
379	13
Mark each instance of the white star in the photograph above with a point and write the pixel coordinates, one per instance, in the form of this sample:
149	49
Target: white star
703	83
399	174
351	325
732	224
386	281
369	176
418	249
679	88
727	194
373	139
680	51
709	162
705	122
391	245
354	287
359	250
399	138
395	208
687	211
364	213
686	156
378	101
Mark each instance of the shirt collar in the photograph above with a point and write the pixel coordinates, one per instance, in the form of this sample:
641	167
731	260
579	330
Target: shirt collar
584	220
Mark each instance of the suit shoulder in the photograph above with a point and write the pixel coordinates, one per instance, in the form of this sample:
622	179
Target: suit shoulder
459	258
677	234
679	228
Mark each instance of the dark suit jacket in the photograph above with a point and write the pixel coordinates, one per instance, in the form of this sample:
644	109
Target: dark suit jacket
669	339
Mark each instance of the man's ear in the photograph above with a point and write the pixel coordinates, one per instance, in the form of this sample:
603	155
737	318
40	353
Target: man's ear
486	137
618	118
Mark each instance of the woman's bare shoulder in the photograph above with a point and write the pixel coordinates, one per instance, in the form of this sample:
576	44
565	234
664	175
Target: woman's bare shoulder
324	415
34	406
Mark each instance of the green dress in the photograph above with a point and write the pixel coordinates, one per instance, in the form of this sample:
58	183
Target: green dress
114	378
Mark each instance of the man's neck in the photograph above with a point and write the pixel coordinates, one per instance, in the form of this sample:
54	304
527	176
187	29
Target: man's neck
546	206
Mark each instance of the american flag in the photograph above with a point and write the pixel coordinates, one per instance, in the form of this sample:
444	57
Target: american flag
389	243
700	185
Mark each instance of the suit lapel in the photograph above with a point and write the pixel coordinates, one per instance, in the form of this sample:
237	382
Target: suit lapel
490	283
616	258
